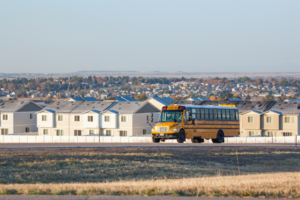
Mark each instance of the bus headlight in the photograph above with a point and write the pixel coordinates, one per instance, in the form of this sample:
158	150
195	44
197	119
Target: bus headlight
175	130
152	130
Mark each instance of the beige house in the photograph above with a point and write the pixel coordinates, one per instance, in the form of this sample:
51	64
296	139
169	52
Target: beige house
71	118
158	102
18	117
282	120
250	123
129	119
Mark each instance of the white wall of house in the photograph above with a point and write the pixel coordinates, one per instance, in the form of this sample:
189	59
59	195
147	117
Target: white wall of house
113	120
91	124
7	124
50	122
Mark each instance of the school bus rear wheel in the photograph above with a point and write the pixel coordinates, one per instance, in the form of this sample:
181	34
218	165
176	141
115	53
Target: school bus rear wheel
220	137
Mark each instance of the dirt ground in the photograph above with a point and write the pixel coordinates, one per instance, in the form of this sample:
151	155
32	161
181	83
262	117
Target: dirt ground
68	165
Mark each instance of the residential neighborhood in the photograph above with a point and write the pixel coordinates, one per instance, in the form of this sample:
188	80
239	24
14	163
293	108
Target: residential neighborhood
127	117
101	88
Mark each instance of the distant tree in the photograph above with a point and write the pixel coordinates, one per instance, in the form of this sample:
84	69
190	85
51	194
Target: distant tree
111	98
248	98
81	92
212	98
269	97
141	97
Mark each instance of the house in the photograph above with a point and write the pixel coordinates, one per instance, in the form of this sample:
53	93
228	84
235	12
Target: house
282	120
82	99
18	117
108	118
158	102
129	119
71	118
250	123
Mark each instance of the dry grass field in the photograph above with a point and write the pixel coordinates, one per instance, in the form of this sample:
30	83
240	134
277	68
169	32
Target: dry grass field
196	171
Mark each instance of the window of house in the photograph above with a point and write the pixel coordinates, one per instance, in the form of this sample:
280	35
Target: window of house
60	117
144	131
251	133
31	116
270	134
250	119
269	119
4	131
91	132
27	129
123	133
123	118
45	132
77	118
59	132
288	120
106	118
287	133
108	132
77	132
5	117
44	117
90	118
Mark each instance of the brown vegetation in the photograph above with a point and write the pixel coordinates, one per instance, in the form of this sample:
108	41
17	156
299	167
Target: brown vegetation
197	171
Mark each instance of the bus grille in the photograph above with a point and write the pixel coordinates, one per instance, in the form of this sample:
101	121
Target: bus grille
162	129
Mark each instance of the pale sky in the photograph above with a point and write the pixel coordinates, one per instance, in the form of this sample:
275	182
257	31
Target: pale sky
58	36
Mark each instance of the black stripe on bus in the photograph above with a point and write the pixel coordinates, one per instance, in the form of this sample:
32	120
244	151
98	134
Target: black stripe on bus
212	124
212	128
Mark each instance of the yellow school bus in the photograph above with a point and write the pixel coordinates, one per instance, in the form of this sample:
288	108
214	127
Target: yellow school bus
197	123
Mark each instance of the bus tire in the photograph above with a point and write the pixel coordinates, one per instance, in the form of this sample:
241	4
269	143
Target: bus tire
220	137
155	140
181	136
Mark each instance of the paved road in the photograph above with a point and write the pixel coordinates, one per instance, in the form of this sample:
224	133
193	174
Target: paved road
60	197
92	145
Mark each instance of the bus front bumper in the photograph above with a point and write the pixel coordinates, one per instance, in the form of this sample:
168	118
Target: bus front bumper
165	135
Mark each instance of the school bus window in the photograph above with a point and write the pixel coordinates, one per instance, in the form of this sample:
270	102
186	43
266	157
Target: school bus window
227	114
232	115
236	114
198	114
219	114
215	113
171	116
206	113
211	114
202	113
223	114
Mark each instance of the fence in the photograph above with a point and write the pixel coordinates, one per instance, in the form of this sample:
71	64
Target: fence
133	139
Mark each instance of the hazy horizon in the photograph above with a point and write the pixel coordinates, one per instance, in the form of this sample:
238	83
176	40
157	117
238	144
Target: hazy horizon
189	36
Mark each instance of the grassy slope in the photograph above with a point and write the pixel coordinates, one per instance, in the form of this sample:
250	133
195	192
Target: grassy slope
208	171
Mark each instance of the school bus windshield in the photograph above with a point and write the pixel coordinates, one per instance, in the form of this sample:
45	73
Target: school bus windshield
171	116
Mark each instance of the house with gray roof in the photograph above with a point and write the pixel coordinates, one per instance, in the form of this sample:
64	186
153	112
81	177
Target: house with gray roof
18	117
76	118
129	119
